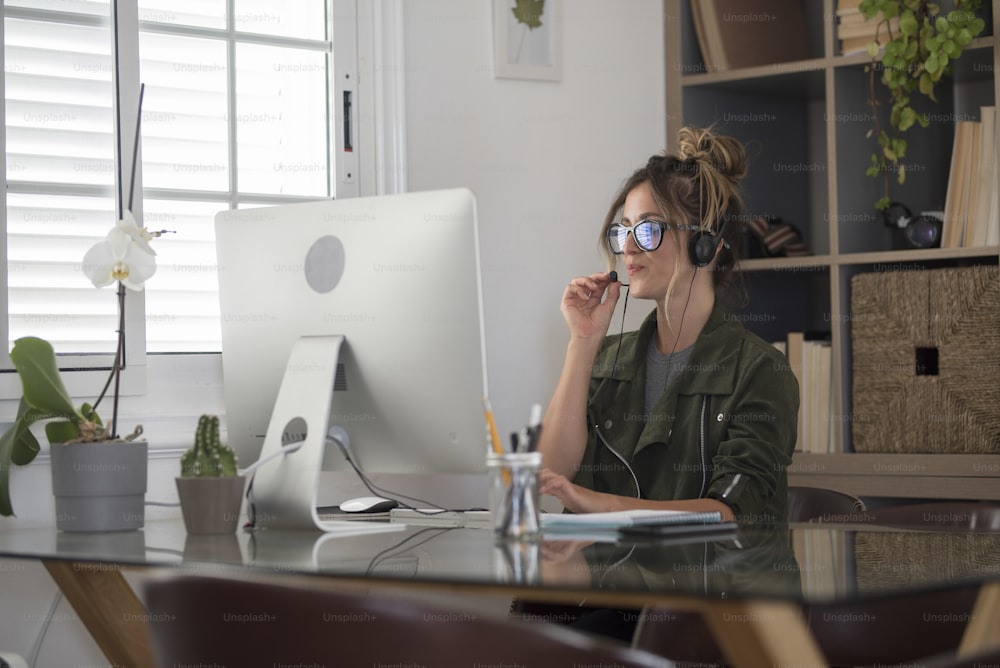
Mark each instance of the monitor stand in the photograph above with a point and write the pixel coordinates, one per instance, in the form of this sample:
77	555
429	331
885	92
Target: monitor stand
285	489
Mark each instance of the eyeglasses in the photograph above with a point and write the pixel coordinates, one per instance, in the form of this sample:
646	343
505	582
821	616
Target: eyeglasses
648	234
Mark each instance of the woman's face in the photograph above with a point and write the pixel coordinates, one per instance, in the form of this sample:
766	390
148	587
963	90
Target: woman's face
649	272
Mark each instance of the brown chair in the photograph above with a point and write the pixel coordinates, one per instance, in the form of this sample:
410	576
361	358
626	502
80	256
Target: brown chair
982	659
202	620
884	630
817	504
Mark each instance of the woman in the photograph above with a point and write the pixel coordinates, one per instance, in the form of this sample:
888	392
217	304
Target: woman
691	411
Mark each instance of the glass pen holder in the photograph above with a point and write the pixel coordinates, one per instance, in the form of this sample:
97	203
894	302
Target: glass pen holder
513	479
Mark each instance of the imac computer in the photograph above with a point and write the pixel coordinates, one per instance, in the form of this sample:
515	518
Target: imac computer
364	314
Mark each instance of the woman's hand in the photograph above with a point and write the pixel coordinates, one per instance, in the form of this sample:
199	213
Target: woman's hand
574	498
585	306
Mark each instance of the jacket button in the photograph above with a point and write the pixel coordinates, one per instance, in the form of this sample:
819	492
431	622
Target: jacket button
608	424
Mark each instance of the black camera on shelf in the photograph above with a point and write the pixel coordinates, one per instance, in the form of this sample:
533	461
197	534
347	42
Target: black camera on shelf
921	231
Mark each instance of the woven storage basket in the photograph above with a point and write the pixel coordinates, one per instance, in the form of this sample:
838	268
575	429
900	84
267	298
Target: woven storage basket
926	361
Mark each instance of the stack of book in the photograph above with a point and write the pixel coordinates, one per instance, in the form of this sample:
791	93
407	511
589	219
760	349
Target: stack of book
971	215
811	359
856	32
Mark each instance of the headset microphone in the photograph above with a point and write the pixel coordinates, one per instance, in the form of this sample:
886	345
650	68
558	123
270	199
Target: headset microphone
613	276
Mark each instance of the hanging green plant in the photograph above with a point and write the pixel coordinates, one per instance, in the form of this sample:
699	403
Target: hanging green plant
920	46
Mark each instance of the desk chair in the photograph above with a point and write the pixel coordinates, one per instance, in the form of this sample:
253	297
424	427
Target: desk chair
887	630
202	620
990	657
816	504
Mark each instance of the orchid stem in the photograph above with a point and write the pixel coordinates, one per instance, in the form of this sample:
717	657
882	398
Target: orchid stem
135	146
119	354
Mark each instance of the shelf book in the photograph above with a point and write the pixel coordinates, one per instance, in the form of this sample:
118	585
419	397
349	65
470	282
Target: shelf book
810	357
970	210
855	31
984	226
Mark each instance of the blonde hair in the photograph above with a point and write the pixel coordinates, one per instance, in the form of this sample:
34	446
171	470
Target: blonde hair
699	185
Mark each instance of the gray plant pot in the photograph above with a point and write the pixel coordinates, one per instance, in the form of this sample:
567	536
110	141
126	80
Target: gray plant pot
100	486
210	506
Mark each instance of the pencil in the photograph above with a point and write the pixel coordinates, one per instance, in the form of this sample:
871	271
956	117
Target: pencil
491	423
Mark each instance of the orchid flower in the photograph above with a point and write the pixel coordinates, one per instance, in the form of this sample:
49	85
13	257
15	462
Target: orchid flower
124	255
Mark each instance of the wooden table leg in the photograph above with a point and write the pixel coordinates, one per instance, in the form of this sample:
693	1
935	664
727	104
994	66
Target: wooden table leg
763	633
983	630
109	608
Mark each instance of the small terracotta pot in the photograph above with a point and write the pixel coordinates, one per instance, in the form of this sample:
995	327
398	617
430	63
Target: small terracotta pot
210	506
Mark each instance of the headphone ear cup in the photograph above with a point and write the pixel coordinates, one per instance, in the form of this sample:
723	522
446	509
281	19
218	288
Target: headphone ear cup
701	248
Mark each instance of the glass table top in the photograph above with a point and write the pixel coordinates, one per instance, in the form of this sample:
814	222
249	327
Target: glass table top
808	562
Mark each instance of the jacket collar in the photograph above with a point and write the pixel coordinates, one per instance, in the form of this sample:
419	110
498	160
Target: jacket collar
711	369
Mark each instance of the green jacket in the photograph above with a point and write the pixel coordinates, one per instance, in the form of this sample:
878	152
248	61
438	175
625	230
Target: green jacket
736	390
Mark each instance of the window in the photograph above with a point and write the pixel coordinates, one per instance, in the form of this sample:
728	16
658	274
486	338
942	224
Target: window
239	99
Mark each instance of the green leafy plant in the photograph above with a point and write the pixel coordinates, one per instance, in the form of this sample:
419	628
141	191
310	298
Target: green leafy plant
44	397
920	45
209	457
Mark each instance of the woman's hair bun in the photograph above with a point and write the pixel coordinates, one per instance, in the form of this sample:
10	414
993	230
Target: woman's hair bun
724	154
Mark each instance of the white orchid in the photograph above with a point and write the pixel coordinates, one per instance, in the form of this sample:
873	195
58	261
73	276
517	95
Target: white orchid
124	255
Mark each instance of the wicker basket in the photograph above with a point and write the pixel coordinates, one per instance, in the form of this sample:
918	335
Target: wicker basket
926	361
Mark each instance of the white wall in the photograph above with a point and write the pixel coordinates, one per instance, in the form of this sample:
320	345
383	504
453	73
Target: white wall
544	160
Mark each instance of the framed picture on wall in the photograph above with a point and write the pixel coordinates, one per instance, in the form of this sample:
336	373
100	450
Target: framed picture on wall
526	39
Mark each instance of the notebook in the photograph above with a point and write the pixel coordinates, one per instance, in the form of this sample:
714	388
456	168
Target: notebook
564	522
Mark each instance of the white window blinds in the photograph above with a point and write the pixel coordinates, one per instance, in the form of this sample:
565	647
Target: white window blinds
237	111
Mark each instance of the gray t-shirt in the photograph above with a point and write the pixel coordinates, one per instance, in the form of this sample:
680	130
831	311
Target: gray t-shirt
661	370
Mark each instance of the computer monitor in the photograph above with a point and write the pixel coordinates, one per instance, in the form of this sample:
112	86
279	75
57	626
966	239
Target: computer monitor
399	278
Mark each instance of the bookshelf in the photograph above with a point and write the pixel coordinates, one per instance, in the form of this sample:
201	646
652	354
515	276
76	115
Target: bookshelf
805	124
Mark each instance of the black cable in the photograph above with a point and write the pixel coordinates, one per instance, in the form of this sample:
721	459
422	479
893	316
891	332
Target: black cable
680	327
621	333
372	487
395	496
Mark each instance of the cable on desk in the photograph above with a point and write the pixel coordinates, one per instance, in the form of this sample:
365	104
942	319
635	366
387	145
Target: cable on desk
380	491
338	436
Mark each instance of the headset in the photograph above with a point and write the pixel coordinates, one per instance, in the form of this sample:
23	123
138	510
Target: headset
922	231
703	244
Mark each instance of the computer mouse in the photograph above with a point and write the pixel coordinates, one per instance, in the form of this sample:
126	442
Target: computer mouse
368	504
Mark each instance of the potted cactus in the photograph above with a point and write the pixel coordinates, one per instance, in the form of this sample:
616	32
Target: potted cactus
209	486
